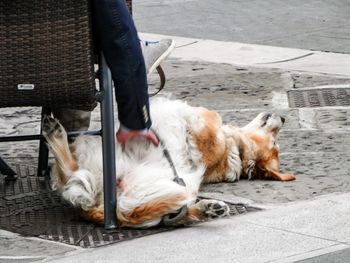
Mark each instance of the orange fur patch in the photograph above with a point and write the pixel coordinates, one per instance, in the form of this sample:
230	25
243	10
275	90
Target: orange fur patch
268	159
151	211
216	172
195	213
95	215
212	148
207	139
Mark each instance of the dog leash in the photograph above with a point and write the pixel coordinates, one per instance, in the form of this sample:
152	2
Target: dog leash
162	81
166	153
172	219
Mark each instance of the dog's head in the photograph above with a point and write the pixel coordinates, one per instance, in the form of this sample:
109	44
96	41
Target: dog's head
262	133
265	124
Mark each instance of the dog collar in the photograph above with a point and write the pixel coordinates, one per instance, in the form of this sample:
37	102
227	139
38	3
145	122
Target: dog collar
173	219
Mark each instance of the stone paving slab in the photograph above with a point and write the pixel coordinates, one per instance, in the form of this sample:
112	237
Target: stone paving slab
220	241
302	141
341	256
262	192
324	119
14	248
302	80
233	88
329	119
328	214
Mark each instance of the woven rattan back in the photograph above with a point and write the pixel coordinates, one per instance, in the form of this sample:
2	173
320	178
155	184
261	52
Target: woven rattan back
46	56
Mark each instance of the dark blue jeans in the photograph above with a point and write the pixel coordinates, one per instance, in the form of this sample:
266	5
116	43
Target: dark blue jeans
117	36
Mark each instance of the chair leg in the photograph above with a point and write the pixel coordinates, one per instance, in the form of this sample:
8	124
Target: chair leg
5	169
43	163
108	144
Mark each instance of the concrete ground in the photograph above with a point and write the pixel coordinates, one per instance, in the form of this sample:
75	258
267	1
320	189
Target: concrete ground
287	233
314	25
315	142
306	220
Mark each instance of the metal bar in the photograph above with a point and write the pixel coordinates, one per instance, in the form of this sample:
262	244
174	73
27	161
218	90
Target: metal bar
43	163
108	145
5	169
39	136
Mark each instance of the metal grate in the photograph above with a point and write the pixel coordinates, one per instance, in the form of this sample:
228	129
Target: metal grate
29	207
319	97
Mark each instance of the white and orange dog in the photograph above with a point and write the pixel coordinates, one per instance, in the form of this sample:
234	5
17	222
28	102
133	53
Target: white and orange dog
202	150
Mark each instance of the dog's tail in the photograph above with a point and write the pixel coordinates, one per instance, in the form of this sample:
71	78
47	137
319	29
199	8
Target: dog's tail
56	138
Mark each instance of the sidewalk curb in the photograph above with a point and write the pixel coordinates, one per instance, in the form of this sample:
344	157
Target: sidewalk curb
312	254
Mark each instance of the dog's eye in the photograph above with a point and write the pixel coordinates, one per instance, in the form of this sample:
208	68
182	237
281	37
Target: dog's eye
268	116
265	118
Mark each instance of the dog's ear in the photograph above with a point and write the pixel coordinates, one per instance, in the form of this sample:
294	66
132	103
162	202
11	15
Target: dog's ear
272	174
271	168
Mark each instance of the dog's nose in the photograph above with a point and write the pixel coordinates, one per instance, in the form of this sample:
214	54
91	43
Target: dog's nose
283	120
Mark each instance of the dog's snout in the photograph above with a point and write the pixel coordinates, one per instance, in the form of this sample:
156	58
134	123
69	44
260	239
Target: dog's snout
283	120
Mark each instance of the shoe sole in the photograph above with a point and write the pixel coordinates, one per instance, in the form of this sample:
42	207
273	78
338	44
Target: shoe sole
162	57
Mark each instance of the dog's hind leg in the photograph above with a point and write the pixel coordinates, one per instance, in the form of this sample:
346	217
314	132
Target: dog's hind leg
56	138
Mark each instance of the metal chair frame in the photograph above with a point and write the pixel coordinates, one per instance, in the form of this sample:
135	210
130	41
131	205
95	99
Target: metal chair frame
105	97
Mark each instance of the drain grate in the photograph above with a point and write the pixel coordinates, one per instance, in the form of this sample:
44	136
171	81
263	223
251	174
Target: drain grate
29	207
319	97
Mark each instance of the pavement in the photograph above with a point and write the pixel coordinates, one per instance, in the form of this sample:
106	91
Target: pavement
306	220
312	25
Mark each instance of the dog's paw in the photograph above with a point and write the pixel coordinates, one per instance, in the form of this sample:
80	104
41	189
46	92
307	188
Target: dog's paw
214	209
51	126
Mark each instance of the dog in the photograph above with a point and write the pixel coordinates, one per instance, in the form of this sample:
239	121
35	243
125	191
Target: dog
202	150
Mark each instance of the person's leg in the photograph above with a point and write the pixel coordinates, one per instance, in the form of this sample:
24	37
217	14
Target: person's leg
119	41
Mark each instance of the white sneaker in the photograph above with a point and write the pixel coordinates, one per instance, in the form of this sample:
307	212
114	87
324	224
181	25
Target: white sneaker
154	52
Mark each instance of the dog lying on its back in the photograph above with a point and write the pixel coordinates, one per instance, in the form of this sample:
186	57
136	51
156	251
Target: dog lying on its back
202	150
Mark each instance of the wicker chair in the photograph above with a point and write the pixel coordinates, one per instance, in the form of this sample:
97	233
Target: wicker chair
47	59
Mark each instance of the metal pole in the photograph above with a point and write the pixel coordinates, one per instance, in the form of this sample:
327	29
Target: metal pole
7	170
70	134
108	144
